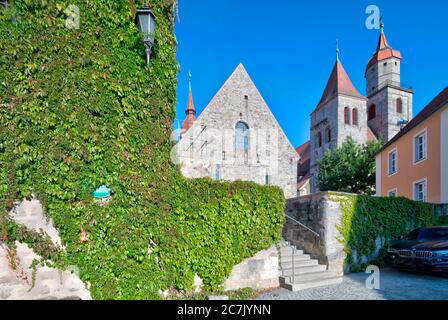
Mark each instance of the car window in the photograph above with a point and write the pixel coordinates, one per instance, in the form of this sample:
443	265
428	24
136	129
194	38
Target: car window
413	235
433	234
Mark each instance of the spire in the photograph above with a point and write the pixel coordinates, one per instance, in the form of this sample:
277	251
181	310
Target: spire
337	49
383	50
189	81
339	83
190	111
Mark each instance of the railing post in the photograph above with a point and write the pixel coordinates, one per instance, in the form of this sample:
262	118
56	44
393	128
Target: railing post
293	269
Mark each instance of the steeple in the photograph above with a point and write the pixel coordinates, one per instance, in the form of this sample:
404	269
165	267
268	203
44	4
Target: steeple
190	111
383	50
339	83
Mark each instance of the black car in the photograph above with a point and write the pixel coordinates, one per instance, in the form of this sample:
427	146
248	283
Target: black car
423	250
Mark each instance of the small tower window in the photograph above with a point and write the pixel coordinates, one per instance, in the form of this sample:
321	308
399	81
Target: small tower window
355	117
347	115
372	112
328	134
399	105
319	139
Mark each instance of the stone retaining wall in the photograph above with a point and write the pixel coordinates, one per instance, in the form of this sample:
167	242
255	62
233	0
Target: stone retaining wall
441	209
257	272
321	215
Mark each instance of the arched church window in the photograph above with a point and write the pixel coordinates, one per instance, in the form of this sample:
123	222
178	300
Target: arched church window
328	134
372	112
399	105
242	136
347	115
355	117
319	139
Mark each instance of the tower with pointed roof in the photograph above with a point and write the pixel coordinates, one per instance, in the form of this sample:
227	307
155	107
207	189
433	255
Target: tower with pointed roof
190	111
389	100
340	113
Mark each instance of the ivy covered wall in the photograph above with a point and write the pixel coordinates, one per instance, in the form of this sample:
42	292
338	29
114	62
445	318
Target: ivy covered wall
80	108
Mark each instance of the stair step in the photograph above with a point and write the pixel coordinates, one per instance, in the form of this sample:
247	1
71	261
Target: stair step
297	257
320	275
301	285
303	270
288	250
298	264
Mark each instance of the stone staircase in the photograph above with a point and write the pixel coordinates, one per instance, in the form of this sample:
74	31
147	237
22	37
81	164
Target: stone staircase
298	271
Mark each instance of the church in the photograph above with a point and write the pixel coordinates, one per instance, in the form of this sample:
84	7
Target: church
236	137
343	112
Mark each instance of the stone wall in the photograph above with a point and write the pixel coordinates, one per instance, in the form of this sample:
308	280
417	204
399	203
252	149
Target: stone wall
441	210
258	272
25	282
321	215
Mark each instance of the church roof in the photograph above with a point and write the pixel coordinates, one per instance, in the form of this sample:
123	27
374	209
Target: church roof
339	83
383	51
304	151
190	112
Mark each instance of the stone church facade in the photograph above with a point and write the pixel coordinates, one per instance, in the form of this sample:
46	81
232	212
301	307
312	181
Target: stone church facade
237	137
343	112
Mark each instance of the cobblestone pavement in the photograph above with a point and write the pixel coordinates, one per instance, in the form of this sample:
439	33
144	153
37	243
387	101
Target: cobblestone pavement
394	285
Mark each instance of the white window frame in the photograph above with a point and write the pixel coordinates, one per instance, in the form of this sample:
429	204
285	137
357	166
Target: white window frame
425	151
394	150
425	191
395	190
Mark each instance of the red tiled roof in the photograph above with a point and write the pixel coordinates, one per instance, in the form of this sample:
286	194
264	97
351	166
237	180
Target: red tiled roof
383	51
304	151
303	181
339	83
190	112
371	135
436	104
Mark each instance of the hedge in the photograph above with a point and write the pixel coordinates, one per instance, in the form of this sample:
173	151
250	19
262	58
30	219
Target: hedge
80	108
368	224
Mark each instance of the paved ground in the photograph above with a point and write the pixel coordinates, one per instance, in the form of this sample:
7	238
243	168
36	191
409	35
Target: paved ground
394	285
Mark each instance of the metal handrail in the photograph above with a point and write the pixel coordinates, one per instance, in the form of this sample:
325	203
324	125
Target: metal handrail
304	226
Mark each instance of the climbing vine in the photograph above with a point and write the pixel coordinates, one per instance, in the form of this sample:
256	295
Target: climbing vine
79	108
368	224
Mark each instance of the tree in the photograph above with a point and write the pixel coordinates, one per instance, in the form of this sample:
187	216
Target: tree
350	168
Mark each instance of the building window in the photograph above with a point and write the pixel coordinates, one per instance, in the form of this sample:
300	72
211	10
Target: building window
392	193
328	134
420	147
218	172
242	136
267	179
319	139
399	105
420	190
355	117
372	112
347	115
393	162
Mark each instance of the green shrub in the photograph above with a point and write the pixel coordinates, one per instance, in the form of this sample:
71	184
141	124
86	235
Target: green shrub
365	220
80	108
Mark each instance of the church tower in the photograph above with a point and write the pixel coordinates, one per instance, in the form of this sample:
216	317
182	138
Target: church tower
340	113
389	103
190	111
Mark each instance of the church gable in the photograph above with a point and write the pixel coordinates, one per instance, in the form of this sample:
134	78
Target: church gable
237	137
239	100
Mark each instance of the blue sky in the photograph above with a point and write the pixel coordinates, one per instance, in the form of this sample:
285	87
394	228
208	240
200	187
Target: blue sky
288	48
